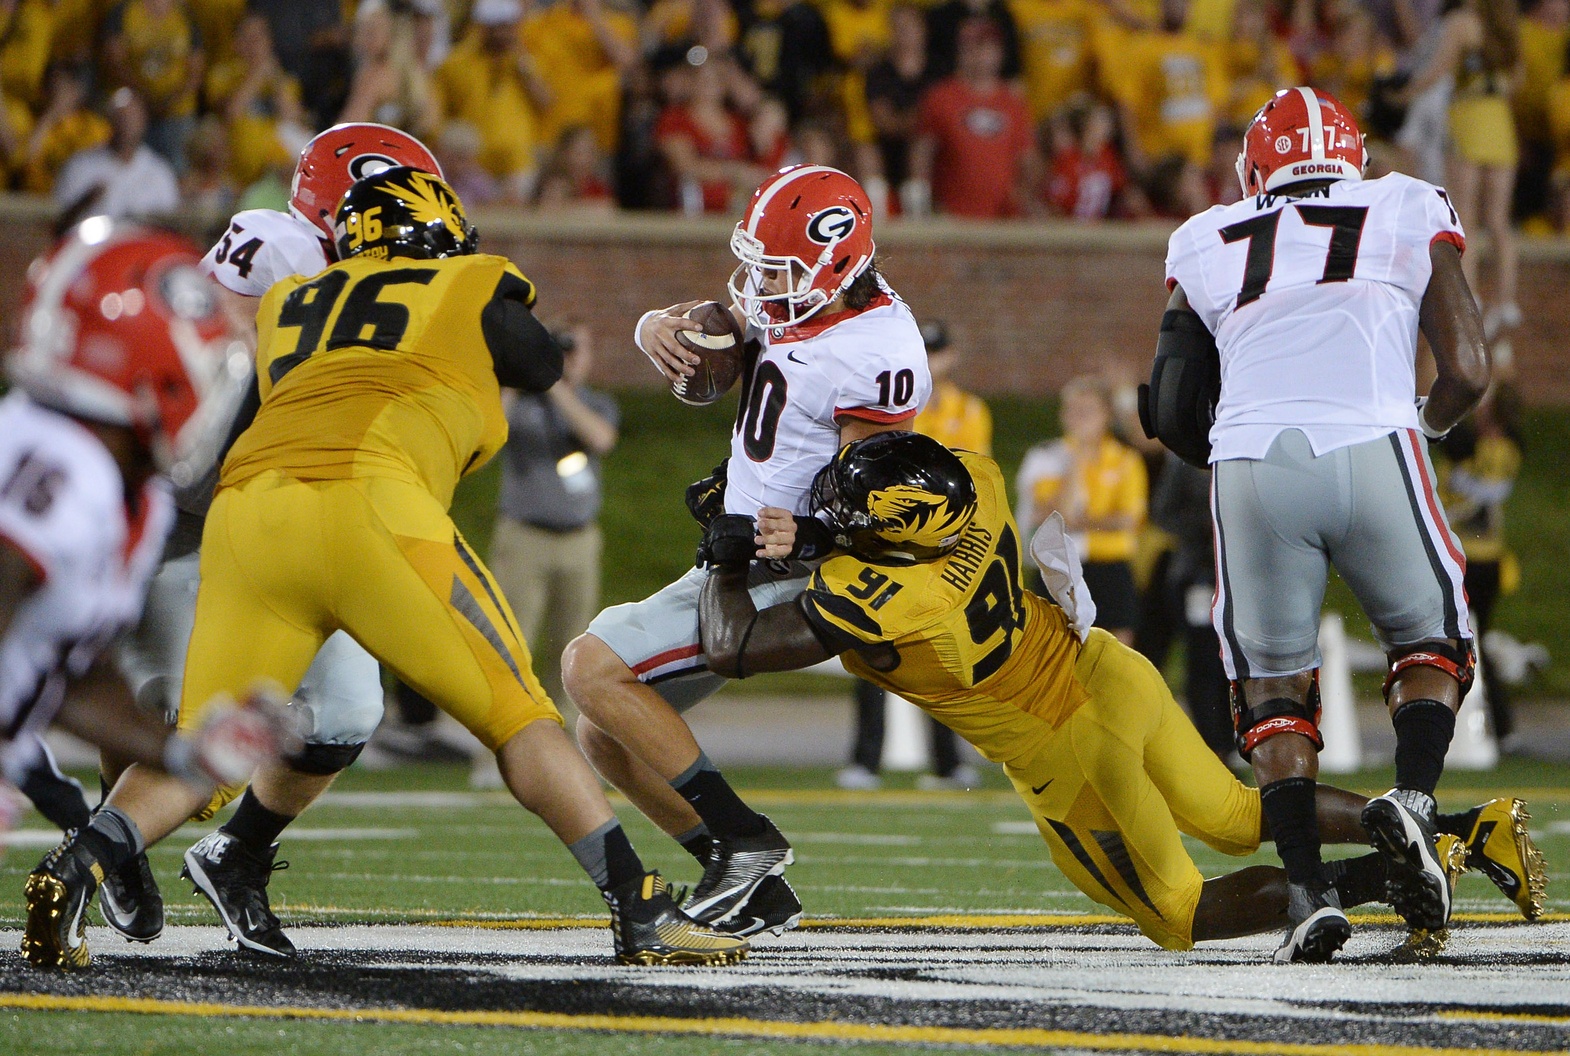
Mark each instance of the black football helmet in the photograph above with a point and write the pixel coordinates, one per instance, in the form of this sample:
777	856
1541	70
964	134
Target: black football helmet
895	496
402	212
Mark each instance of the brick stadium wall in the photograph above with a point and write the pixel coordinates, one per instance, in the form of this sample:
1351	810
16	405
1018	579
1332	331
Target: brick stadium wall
1032	305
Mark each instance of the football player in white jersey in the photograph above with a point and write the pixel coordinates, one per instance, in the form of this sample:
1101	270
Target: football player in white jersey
1314	288
839	357
127	365
339	702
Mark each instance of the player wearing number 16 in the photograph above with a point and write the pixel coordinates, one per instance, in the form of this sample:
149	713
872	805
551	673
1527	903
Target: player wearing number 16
380	388
1313	290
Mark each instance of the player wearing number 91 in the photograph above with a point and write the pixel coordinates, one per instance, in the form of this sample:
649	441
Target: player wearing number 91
1313	289
380	389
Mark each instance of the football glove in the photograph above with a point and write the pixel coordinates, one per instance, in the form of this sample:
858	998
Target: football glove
730	543
706	497
814	540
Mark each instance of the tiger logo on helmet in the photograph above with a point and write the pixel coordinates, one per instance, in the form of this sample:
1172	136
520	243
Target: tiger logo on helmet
896	496
403	212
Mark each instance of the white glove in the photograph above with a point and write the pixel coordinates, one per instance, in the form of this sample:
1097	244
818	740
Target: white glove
1422	421
1059	563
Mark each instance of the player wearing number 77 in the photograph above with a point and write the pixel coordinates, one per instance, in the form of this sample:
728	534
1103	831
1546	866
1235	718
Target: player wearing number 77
1312	291
380	389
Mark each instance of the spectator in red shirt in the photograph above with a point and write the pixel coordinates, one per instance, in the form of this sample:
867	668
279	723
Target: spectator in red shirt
1086	178
705	143
974	144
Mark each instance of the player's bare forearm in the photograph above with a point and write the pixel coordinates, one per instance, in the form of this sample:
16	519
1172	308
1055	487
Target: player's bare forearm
18	580
738	640
853	428
1454	328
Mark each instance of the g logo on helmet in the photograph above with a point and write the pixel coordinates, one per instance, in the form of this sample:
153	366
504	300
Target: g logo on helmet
364	165
831	225
1283	144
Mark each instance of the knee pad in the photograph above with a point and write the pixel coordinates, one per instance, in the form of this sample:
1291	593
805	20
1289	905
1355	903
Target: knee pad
324	759
1460	664
1276	716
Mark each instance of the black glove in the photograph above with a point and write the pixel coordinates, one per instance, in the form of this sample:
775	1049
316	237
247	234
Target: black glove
706	497
730	543
814	540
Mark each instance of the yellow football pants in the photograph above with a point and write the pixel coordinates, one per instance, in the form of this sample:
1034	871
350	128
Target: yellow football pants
286	563
1116	784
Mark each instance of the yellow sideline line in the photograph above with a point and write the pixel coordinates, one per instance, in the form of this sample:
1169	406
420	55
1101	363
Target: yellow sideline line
961	921
823	1030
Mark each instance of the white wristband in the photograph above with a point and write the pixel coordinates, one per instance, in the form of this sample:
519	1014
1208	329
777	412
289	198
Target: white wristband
1422	421
637	331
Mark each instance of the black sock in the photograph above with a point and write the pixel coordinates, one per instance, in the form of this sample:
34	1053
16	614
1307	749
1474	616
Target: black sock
1358	880
256	827
112	838
1458	824
721	809
1423	732
607	856
56	797
1289	807
698	842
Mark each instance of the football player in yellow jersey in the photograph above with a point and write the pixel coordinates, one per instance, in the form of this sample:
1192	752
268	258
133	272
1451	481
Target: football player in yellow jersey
925	600
380	388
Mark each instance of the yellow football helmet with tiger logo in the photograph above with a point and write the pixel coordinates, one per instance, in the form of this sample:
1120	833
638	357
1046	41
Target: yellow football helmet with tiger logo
403	212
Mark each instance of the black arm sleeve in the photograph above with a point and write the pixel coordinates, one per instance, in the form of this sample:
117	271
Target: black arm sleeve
522	351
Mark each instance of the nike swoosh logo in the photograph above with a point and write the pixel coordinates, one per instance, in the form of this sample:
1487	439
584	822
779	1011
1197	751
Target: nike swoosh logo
74	934
1036	790
791	355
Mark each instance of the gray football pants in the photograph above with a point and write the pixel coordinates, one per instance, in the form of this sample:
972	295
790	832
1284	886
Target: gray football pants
1369	509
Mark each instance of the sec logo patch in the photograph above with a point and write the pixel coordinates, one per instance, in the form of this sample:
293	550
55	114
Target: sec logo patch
1283	144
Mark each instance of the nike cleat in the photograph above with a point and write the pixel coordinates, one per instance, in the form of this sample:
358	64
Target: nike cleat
58	893
1422	944
736	869
1500	847
648	928
774	907
131	902
234	880
1415	880
1319	928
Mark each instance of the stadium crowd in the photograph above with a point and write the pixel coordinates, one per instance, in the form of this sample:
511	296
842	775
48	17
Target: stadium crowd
1082	108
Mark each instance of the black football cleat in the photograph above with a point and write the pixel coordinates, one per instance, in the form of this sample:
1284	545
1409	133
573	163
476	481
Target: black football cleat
130	901
58	893
648	928
774	907
1319	928
737	867
1416	883
234	880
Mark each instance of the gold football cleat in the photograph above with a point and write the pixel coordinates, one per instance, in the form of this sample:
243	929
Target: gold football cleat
58	893
649	928
1500	847
1421	943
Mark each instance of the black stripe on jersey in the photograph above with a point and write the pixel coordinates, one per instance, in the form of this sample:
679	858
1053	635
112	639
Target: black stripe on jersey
1239	659
485	581
1077	849
1116	850
1446	587
465	602
842	609
696	669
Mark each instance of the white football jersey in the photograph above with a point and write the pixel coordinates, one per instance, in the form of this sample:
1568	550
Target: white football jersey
62	504
263	246
1314	303
872	365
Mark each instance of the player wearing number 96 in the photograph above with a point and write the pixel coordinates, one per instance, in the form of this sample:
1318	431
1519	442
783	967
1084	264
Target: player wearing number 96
1313	289
380	389
837	356
924	599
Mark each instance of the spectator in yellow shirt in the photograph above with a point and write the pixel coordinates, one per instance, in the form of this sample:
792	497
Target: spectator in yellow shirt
67	127
1100	487
1170	94
859	30
25	29
952	416
1055	45
154	47
583	49
259	101
491	81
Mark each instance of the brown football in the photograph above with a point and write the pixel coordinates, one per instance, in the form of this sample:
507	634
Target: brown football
719	349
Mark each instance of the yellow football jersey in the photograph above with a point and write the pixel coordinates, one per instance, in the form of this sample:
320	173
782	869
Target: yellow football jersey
959	636
378	368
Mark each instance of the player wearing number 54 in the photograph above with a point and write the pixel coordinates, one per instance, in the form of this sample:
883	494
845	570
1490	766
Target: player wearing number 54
379	383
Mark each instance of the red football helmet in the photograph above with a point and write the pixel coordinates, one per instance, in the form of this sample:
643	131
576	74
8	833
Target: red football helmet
331	163
1301	134
811	223
119	326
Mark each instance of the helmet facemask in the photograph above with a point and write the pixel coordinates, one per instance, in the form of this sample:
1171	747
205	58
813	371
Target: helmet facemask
801	299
